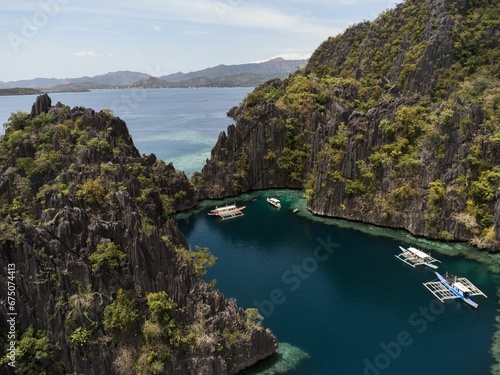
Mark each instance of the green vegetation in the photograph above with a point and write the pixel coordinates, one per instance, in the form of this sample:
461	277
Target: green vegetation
107	256
92	192
19	91
355	187
9	232
80	336
35	354
78	198
120	316
403	194
47	147
146	227
81	306
201	258
161	308
161	332
486	187
404	99
253	317
101	145
295	153
242	168
233	336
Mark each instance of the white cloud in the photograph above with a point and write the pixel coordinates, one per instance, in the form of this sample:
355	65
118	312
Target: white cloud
265	18
209	12
294	56
267	28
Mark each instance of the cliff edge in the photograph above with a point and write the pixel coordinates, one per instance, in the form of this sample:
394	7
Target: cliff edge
102	281
395	122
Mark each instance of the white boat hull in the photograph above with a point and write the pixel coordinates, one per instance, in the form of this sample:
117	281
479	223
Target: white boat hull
275	202
414	257
452	287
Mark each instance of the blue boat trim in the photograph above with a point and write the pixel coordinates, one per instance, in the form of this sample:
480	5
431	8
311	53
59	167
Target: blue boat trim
451	287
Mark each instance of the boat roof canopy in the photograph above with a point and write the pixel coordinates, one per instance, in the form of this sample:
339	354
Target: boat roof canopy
232	207
418	252
461	287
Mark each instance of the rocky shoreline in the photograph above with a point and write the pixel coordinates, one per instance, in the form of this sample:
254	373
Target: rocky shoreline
402	143
103	276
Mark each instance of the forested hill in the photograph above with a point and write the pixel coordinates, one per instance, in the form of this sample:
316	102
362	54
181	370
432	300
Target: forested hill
104	281
395	122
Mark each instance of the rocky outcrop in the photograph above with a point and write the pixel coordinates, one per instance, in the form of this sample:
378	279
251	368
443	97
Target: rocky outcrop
86	224
393	123
41	105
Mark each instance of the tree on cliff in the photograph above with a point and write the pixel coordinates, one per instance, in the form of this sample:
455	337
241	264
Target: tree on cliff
103	278
394	122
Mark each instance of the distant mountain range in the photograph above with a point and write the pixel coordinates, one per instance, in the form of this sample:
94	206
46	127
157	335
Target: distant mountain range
271	67
250	75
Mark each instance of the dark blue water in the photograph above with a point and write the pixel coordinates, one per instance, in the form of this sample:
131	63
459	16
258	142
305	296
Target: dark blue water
178	125
341	296
334	294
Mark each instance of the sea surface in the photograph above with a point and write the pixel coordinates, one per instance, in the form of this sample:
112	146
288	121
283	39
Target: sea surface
332	291
339	299
177	125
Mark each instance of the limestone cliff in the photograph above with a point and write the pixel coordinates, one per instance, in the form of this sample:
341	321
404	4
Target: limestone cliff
104	282
395	122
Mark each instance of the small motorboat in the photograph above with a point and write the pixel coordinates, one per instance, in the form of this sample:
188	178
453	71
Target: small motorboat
274	201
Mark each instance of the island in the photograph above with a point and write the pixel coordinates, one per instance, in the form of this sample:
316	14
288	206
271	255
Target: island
20	91
101	279
393	123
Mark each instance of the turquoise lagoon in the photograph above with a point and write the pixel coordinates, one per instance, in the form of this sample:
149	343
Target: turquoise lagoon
332	291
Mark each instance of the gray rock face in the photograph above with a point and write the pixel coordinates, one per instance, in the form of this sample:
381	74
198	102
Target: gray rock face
99	193
405	160
41	105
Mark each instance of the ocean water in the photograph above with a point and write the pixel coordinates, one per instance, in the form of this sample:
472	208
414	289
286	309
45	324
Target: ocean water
178	125
335	296
339	298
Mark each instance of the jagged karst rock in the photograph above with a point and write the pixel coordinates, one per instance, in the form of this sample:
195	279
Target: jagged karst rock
41	105
394	123
85	220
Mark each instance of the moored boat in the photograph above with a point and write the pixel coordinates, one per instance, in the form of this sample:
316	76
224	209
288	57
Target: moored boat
274	201
415	257
227	212
450	287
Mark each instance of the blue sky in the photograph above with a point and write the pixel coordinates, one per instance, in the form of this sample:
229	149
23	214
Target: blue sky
73	38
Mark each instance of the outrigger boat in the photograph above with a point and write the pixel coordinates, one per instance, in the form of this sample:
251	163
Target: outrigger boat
450	287
275	202
415	257
227	212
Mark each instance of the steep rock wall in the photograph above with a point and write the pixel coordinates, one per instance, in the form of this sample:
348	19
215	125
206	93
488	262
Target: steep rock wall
394	122
86	222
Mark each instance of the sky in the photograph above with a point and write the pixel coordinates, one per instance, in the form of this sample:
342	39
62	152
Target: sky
75	38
